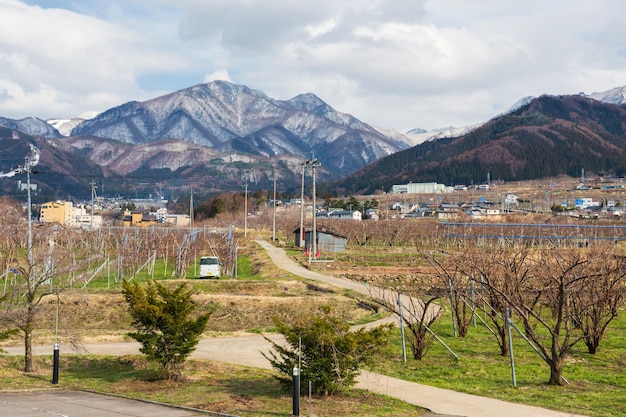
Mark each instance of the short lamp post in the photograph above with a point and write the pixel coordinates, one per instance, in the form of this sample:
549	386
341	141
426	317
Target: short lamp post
55	364
296	392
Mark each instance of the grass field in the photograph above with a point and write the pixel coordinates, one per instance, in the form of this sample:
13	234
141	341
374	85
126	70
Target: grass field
597	383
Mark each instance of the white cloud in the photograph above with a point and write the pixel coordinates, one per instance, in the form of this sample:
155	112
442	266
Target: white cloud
55	61
394	63
217	75
322	28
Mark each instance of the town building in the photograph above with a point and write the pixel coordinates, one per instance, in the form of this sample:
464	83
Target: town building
585	203
511	200
66	214
341	214
326	241
447	211
87	221
180	220
138	219
372	214
420	188
60	212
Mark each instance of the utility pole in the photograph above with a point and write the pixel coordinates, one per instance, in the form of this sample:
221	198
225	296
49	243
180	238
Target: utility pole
27	168
314	164
191	208
304	165
93	198
274	214
29	163
245	206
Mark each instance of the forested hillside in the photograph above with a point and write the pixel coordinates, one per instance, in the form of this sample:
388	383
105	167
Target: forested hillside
551	136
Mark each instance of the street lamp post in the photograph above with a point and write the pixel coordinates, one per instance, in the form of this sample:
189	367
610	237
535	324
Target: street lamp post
27	168
93	195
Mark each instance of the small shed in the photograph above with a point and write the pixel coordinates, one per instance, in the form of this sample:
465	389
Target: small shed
326	241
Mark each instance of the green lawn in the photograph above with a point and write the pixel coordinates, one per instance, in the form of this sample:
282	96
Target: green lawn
597	383
213	386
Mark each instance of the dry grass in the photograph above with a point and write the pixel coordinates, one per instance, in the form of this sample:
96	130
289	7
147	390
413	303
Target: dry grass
249	306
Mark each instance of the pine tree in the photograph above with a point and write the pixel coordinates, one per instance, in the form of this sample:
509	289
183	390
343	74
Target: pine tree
329	353
165	327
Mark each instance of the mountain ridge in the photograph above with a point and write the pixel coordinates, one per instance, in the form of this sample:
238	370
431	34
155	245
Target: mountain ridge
231	131
548	136
231	117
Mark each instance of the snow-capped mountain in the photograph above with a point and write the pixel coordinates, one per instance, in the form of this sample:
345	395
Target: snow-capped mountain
613	96
65	126
32	126
418	136
518	105
230	117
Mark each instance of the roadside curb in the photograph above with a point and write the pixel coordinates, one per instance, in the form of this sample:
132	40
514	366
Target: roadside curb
143	400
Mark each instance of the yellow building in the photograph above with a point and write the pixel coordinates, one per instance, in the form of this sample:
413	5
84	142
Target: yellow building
137	218
61	212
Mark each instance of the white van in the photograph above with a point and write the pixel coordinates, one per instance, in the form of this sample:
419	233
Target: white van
210	267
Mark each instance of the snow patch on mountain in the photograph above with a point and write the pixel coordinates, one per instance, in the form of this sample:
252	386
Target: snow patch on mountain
400	137
613	96
65	126
446	132
518	105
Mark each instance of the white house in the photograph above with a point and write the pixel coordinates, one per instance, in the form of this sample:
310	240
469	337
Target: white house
511	199
585	203
371	214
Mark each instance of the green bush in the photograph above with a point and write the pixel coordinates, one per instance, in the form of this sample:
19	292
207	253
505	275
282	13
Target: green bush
329	354
165	327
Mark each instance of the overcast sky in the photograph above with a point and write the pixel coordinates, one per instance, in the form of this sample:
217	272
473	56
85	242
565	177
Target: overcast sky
398	64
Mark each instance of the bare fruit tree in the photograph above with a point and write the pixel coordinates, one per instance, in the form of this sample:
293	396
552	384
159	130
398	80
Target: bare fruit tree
450	270
547	290
41	271
491	271
418	313
595	307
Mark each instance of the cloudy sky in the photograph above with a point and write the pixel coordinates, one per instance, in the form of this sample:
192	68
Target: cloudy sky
398	64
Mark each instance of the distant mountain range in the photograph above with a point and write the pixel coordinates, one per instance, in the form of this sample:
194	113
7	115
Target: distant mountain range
231	118
545	136
214	137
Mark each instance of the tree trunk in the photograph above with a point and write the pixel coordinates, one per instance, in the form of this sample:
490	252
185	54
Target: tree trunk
592	343
503	340
28	340
418	344
556	371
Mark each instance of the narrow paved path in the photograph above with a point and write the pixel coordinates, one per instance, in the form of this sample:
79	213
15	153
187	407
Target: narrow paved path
246	350
441	401
411	306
